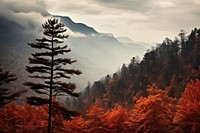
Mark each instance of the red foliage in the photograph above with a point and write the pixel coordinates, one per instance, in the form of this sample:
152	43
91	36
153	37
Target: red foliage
95	122
117	120
16	118
76	125
151	114
187	117
27	118
154	113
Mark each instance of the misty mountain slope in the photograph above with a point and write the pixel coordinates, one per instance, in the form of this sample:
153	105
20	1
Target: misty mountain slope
77	27
12	43
106	53
105	47
97	53
170	66
9	29
14	50
128	41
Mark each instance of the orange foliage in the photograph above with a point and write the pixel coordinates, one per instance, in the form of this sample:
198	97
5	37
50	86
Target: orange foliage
95	122
98	121
117	120
151	114
154	113
76	125
9	118
27	118
188	110
16	118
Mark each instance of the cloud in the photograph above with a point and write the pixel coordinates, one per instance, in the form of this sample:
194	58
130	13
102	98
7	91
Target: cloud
98	7
164	4
72	6
25	6
178	16
142	20
28	14
132	5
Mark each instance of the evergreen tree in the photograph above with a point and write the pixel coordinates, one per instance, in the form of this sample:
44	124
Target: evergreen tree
6	95
48	68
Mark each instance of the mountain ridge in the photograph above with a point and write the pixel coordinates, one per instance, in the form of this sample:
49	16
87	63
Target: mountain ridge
77	27
95	47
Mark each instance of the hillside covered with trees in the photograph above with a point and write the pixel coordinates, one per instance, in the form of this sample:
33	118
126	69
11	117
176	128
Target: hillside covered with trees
170	66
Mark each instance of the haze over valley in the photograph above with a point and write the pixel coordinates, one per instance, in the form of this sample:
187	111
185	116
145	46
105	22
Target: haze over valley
97	54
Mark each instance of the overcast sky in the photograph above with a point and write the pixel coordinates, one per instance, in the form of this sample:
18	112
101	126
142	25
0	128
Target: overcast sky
141	20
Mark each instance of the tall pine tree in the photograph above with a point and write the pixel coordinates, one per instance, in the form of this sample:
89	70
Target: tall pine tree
47	67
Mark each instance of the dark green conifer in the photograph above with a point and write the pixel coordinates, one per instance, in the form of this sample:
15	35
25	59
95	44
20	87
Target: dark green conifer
47	67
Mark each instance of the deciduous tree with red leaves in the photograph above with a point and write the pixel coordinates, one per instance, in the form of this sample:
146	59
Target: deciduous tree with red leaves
27	118
154	113
117	120
187	117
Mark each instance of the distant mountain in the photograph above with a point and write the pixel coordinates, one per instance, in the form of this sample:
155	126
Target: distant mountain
77	27
127	40
97	53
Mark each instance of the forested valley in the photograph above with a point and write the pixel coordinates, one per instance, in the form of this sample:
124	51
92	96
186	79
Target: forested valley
157	94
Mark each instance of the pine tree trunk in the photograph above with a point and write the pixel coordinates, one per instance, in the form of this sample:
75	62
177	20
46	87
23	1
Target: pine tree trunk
50	94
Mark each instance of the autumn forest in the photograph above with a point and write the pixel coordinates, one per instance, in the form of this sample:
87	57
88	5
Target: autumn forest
157	94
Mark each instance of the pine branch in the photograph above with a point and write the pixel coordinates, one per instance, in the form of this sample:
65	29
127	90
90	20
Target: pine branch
60	30
36	86
61	36
48	82
5	78
37	101
69	71
64	61
37	60
40	45
39	69
44	40
14	95
59	47
60	75
56	52
68	86
42	54
59	26
57	41
61	51
62	91
42	92
55	34
6	96
65	88
40	77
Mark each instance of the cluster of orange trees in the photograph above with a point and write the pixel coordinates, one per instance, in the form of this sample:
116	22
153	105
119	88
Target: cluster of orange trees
156	113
